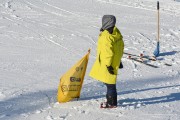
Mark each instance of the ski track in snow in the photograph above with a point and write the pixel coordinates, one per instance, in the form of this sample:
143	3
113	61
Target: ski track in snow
139	4
19	21
40	37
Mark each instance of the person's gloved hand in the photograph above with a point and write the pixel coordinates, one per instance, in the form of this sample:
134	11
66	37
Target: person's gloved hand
121	65
110	69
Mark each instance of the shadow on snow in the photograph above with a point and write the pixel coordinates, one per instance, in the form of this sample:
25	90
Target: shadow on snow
154	100
168	53
30	102
26	103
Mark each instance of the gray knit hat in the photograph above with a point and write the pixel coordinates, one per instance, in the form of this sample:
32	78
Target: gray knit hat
107	22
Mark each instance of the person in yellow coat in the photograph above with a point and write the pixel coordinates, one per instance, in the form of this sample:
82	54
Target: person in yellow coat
110	48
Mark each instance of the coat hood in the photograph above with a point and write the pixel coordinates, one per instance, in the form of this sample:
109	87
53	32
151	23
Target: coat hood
108	21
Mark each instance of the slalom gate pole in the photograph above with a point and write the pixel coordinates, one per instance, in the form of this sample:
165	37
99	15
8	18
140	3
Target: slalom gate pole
157	51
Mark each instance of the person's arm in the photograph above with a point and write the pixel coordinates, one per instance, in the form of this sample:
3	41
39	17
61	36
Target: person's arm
107	50
108	54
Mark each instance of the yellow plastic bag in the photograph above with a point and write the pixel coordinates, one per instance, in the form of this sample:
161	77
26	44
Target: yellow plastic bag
71	82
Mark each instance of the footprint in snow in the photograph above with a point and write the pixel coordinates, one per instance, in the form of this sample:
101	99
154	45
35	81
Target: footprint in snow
38	111
24	115
171	72
2	96
61	117
7	5
49	117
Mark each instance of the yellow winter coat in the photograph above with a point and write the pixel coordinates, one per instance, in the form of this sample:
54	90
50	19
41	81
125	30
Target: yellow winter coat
109	52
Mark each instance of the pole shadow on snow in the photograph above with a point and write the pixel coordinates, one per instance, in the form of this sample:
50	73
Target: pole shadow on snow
153	100
148	101
139	90
170	98
26	103
143	90
168	53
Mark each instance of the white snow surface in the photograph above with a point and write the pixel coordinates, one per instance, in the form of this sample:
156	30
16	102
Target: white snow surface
41	39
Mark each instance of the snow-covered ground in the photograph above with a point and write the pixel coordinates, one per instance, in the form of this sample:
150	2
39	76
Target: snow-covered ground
41	39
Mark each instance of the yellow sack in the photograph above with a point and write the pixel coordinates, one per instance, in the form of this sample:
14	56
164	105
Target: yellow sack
71	82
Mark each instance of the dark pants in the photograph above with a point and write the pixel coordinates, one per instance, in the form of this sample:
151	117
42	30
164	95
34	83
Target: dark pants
111	95
111	90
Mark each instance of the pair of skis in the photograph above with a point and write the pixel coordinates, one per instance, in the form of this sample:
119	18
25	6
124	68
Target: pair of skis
140	58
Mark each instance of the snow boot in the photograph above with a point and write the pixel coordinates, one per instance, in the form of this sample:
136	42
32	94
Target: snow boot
111	102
